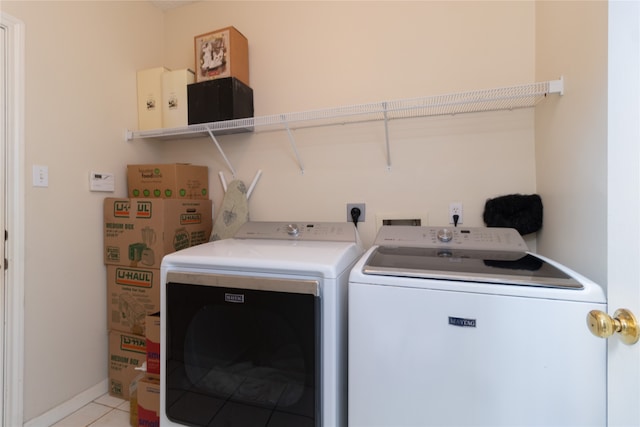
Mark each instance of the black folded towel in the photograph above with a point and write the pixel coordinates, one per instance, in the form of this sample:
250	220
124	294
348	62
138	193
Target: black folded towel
519	211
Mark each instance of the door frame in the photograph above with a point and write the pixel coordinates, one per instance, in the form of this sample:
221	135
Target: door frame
14	207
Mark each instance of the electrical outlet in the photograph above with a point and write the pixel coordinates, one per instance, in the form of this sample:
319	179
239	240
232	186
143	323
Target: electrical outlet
360	206
455	209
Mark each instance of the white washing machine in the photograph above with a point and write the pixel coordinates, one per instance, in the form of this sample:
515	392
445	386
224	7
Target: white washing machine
253	328
464	327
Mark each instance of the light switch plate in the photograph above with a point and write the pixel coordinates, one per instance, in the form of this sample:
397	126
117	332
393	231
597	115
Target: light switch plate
40	176
102	181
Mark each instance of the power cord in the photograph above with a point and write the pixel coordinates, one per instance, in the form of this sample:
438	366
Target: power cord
355	214
456	218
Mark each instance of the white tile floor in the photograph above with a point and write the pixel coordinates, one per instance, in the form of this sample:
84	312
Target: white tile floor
105	411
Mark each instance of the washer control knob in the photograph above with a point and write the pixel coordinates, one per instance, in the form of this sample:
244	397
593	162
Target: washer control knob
293	230
445	235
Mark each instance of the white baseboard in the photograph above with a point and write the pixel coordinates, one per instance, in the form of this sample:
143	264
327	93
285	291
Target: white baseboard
70	406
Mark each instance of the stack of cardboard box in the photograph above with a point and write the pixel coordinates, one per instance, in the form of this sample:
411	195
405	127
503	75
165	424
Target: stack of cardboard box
221	90
168	209
217	91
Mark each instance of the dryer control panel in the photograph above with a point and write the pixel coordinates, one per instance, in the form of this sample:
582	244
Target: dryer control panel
308	231
484	238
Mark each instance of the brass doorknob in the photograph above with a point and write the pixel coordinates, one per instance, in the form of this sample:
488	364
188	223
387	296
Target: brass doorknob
623	321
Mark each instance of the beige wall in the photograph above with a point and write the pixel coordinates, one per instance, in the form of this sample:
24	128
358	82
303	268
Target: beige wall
303	55
80	87
310	55
571	135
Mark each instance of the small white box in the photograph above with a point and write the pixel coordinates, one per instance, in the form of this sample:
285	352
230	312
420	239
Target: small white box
175	111
149	84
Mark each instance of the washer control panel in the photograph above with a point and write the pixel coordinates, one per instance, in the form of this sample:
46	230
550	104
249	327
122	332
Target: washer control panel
485	238
309	231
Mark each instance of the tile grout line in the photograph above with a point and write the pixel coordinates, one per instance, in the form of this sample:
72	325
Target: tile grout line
105	414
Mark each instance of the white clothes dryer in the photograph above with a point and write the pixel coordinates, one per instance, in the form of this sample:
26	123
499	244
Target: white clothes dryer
254	328
465	327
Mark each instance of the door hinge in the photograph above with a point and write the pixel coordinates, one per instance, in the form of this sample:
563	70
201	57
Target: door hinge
6	264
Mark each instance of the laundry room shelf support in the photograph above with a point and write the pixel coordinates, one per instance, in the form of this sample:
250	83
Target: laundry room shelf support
215	141
386	136
293	144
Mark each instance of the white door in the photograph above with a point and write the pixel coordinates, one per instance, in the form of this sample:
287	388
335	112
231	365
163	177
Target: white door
624	206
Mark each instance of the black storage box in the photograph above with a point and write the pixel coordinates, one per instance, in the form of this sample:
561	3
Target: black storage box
219	99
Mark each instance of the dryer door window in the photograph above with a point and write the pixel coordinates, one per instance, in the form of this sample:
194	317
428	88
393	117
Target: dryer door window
245	355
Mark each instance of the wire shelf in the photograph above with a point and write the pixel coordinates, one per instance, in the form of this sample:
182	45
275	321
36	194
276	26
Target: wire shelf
506	98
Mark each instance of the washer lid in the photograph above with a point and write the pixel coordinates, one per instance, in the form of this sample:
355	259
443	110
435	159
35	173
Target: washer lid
469	265
323	259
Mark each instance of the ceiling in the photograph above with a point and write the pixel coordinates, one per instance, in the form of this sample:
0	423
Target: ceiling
170	4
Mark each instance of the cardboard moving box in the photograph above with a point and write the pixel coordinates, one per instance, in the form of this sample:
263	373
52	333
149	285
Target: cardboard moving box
174	180
149	402
126	352
132	294
222	53
152	334
139	232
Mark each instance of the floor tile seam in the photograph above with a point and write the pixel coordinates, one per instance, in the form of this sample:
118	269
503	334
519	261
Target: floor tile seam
106	406
105	414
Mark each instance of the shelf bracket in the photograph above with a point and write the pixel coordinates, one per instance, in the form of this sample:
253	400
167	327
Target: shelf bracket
293	144
215	141
557	86
386	135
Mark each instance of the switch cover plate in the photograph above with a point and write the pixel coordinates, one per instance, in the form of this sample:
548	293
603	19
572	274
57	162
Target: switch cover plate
40	176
